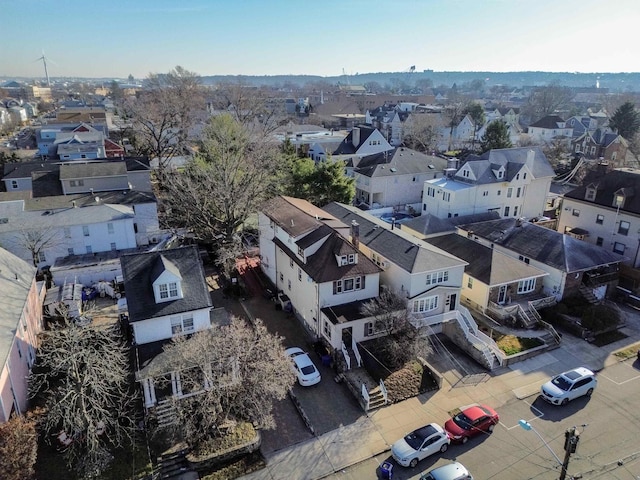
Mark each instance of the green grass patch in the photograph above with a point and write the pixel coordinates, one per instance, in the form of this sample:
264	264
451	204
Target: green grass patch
511	344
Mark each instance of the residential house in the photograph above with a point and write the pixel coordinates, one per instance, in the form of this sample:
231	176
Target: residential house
574	267
20	324
605	212
362	141
395	178
426	226
167	296
549	129
389	120
56	210
49	137
314	267
602	145
429	277
512	181
491	278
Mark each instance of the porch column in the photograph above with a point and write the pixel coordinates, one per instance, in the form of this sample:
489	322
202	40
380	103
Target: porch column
176	386
148	391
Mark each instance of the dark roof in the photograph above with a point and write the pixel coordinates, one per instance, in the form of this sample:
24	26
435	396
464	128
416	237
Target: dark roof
137	271
550	121
404	250
606	187
93	169
27	169
546	246
128	197
400	161
323	267
347	312
347	147
430	224
293	215
485	264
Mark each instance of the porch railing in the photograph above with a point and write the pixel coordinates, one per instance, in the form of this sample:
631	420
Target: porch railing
365	395
345	353
482	342
356	352
383	389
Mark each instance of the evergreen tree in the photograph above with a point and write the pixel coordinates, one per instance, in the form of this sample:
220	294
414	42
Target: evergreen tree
320	183
626	120
496	136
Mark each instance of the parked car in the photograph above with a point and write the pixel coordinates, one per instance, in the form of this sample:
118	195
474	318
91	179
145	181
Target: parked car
453	471
470	422
420	444
303	367
569	385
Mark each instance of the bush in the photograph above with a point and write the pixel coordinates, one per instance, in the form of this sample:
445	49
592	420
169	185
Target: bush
600	317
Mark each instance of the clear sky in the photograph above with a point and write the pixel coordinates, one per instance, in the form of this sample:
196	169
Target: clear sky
115	38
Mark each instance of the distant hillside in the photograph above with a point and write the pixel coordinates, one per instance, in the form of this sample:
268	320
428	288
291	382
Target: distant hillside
615	82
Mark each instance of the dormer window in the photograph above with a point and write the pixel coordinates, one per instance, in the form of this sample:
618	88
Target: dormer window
350	259
168	291
590	193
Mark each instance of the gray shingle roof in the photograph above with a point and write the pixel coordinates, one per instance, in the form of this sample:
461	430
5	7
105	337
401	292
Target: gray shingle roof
346	147
485	264
552	248
512	159
137	271
400	161
607	186
404	250
431	225
294	216
16	277
550	121
70	171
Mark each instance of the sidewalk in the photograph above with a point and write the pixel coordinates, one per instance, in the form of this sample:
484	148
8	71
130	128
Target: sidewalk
374	434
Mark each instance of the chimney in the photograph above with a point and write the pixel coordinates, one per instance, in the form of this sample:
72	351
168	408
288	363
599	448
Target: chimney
355	136
97	199
530	157
355	233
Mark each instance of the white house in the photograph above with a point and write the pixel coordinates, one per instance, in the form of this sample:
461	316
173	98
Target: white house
363	140
548	129
395	178
512	181
313	265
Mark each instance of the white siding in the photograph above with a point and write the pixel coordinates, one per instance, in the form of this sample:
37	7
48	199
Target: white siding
155	329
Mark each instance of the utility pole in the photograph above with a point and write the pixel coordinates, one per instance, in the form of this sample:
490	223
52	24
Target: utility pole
571	438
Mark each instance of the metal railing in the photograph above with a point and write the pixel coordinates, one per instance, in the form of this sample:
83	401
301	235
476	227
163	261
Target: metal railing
482	342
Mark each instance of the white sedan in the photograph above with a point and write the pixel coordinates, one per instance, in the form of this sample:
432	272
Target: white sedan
303	367
420	444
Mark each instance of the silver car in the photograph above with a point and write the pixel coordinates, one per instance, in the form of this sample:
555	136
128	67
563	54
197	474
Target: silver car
453	471
419	444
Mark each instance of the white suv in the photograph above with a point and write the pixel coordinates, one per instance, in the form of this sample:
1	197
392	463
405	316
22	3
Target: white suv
569	386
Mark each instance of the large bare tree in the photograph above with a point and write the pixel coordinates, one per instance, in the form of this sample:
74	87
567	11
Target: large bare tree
235	372
548	100
82	379
162	115
18	447
422	131
250	106
37	240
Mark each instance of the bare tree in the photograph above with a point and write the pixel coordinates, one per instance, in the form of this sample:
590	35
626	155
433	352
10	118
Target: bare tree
162	115
251	107
422	132
36	241
236	372
454	112
547	100
401	341
18	447
82	379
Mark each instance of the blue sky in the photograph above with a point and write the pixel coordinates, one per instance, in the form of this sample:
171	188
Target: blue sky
113	38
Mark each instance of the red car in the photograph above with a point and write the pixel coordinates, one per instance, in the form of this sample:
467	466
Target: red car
470	422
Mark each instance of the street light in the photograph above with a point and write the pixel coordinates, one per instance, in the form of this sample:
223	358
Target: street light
527	426
572	436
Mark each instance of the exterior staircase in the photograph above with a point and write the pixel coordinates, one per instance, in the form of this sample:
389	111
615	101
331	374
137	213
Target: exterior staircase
172	465
165	413
376	398
588	295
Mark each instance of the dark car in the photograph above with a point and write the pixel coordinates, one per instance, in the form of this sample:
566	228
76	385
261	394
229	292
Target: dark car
471	421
